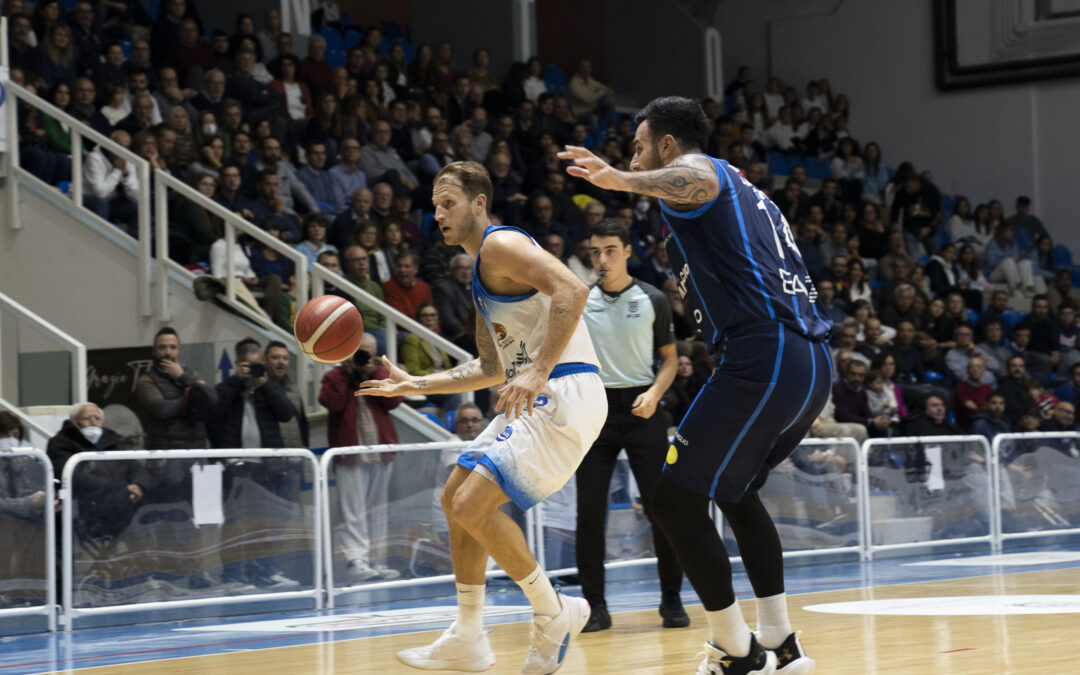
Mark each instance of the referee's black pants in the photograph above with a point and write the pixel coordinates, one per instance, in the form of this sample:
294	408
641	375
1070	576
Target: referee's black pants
646	443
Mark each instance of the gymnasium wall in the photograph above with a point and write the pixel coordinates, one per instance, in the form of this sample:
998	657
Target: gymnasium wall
985	143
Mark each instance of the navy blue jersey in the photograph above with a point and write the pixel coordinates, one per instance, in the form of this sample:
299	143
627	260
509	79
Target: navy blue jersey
736	262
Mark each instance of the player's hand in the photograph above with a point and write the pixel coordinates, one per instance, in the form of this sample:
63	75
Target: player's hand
399	382
644	405
592	168
516	396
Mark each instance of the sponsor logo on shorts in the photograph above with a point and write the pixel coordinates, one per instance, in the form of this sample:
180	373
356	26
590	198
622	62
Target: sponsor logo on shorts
506	433
540	402
681	439
672	454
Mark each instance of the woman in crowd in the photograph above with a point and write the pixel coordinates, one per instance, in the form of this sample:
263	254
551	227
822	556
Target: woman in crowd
961	225
196	226
971	279
858	286
480	73
46	15
314	241
177	119
1005	263
847	170
941	270
955	310
445	72
55	60
422	71
357	119
860	310
57	133
145	145
937	327
875	174
211	158
325	126
397	68
296	97
115	108
534	83
873	234
418	356
245	37
387	92
392	243
684	388
1042	259
366	236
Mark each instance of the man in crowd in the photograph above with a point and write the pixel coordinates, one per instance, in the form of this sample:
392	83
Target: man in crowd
358	271
1070	391
991	419
1043	347
111	185
1014	389
358	211
381	163
957	358
453	299
294	432
269	204
250	406
176	398
363	479
971	392
318	181
1063	418
993	345
347	174
289	186
930	421
404	291
852	402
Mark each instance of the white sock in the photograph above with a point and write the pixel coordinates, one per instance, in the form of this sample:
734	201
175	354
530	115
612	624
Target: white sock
470	604
772	620
728	630
540	593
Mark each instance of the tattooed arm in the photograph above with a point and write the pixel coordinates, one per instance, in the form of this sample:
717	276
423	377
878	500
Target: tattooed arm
689	180
480	373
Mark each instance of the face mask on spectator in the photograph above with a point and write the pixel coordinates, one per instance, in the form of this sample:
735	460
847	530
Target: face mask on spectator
92	433
642	207
209	129
9	443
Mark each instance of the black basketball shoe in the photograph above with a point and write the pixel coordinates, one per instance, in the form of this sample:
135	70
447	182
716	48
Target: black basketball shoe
599	619
791	658
759	661
672	612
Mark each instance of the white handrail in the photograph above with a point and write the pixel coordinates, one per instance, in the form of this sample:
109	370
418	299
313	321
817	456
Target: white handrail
49	515
77	349
79	130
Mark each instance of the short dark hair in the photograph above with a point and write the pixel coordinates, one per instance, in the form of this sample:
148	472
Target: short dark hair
681	117
166	330
471	177
1023	200
609	227
276	344
266	173
244	346
998	394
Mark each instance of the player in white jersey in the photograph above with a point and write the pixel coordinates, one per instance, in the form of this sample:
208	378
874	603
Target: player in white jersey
532	340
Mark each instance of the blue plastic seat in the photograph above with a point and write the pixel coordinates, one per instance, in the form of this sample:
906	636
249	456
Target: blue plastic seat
972	315
391	30
449	419
345	19
947	205
64	186
410	54
427	223
778	164
934	376
333	39
554	79
335	57
816	168
352	37
126	46
1013	316
1062	256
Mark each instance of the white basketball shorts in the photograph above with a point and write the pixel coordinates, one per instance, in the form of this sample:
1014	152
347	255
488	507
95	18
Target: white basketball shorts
533	456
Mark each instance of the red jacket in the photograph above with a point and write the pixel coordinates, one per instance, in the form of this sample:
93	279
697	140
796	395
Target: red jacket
965	391
305	94
406	300
337	396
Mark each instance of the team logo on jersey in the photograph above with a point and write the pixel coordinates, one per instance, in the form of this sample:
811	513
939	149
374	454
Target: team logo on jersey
500	330
681	439
633	308
540	402
506	433
672	454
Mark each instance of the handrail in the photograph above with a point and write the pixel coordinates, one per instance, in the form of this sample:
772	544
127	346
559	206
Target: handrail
321	276
78	349
79	130
25	419
49	515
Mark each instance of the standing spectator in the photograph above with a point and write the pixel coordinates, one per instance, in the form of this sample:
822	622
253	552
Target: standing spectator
250	406
1027	227
971	393
852	402
1005	263
176	398
991	420
362	480
294	431
349	178
107	493
917	208
405	291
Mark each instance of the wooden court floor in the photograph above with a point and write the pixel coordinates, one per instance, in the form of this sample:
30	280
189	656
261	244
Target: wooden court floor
841	644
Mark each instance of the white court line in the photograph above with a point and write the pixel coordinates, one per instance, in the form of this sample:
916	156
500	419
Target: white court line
1002	560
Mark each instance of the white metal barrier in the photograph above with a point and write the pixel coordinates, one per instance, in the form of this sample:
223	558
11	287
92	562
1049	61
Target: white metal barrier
1034	473
922	480
73	346
48	609
71	612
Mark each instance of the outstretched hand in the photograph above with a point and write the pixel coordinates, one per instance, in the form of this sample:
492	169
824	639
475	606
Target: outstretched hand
398	383
592	168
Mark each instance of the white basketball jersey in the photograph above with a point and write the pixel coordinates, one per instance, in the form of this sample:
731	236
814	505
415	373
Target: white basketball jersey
519	323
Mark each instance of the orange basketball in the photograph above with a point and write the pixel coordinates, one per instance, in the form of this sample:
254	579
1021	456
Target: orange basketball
328	329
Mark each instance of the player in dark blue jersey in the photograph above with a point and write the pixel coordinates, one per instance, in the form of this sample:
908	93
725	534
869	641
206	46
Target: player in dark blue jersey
744	282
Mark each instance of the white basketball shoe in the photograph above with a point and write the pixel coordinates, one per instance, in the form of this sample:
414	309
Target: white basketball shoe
451	652
551	636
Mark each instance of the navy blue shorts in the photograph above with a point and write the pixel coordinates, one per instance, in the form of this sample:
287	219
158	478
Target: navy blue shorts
769	386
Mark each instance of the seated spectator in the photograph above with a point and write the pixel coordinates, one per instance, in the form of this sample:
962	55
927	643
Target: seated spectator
142	114
295	95
22	43
107	493
829	305
591	97
1044	401
1067	329
901	309
1028	228
852	401
1070	391
257	99
357	271
437	156
381	163
318	180
1063	419
999	304
941	271
917	208
367	236
581	262
289	186
454	303
211	96
958	357
1045	337
269	204
543	222
877	339
1003	259
971	392
1014	389
211	158
196	228
84	109
362	480
931	421
1020	345
418	356
314	70
56	58
111	184
348	175
405	292
1062	290
884	399
1042	259
266	260
176	398
684	388
401	212
970	279
343	230
314	242
991	421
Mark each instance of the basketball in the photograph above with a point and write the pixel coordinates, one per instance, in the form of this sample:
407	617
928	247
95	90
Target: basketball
328	329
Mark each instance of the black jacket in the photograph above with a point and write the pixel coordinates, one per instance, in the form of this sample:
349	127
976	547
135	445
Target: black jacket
271	407
96	476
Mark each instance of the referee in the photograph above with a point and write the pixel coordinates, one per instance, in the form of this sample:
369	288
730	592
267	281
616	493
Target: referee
629	322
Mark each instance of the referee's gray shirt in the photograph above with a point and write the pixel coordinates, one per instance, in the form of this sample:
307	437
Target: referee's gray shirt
627	329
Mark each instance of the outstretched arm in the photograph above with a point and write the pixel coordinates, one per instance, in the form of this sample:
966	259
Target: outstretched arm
690	180
480	373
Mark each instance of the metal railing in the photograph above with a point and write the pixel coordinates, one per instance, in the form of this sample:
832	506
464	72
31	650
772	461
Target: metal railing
79	131
48	330
1000	475
67	496
48	609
